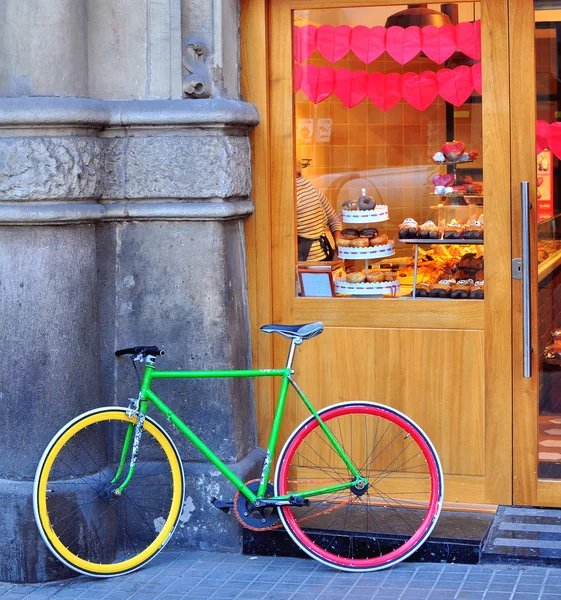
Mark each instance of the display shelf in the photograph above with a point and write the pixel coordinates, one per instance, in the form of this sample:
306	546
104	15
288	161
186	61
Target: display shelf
461	242
446	163
377	215
367	289
373	252
549	265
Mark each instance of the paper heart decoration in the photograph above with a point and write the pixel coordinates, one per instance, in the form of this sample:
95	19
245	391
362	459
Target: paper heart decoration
476	76
438	43
444	180
305	39
350	87
384	90
317	83
297	76
419	90
368	43
468	39
554	138
539	181
403	44
334	42
455	86
542	135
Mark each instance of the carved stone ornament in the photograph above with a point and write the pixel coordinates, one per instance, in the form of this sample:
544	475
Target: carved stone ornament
196	63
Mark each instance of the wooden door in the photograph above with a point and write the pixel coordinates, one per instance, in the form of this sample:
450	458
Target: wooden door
444	363
537	400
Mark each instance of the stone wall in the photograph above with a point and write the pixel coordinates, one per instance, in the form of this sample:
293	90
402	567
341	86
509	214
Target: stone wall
121	217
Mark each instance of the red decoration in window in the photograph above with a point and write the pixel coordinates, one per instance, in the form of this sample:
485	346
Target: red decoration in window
420	90
456	85
403	44
297	75
476	76
317	83
334	42
554	138
351	86
305	40
368	43
542	134
439	43
384	90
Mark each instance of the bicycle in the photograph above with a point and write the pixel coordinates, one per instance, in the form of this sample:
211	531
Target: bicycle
358	485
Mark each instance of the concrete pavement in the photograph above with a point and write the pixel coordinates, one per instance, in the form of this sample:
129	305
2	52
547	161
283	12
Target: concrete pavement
198	575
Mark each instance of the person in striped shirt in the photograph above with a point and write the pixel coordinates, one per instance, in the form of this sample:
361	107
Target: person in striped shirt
314	214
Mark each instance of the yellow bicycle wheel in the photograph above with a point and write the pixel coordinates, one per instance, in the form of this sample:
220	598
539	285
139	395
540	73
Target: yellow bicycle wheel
81	521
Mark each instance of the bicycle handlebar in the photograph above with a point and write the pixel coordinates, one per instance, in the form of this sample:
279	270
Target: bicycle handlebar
144	350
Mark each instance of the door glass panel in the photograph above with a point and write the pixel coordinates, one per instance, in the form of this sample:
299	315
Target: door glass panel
548	251
377	95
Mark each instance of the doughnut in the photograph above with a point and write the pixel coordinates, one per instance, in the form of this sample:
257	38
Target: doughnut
366	203
343	243
376	277
356	277
349	205
369	232
379	240
349	234
360	243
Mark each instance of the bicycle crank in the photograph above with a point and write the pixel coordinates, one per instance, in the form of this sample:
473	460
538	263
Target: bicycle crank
256	519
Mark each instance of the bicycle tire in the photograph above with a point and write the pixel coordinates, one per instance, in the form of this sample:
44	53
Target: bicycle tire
82	523
355	530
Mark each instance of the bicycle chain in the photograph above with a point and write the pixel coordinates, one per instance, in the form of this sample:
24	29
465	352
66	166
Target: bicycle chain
280	525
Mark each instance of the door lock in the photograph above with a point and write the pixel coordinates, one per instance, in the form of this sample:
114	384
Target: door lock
517	268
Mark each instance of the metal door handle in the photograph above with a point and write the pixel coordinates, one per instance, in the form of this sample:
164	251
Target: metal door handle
526	289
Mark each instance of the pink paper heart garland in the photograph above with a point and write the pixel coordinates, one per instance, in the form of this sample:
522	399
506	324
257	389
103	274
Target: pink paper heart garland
403	44
542	135
350	87
438	43
317	83
455	85
333	43
419	90
384	90
368	43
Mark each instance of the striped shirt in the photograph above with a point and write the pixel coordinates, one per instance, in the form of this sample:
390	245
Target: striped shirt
314	214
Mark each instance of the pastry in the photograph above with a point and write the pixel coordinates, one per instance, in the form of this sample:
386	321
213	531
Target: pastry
473	231
366	202
376	277
379	240
474	188
473	154
360	242
453	150
542	255
441	289
350	234
453	231
438	157
349	205
344	243
359	277
477	290
422	290
470	261
464	157
408	229
459	189
428	230
463	179
460	290
369	232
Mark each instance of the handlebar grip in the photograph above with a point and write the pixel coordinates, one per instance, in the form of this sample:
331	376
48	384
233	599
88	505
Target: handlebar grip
144	350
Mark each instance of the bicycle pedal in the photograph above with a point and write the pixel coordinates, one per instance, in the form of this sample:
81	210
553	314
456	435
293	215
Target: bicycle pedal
224	505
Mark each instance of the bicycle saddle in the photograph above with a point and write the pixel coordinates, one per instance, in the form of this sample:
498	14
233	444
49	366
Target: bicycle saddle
304	331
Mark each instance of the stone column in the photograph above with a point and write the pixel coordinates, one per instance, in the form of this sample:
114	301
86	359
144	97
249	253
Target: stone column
121	224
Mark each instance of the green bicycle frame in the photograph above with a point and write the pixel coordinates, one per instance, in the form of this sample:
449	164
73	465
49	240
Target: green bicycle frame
146	394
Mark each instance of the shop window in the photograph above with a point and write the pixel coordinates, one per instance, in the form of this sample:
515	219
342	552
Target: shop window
374	107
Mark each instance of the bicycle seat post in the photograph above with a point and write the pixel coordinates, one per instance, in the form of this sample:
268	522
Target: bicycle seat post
296	341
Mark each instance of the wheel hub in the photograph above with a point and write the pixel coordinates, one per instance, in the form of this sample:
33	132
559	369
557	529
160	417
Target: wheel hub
360	488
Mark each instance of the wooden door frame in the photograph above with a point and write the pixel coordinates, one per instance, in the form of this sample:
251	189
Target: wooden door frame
262	87
528	490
